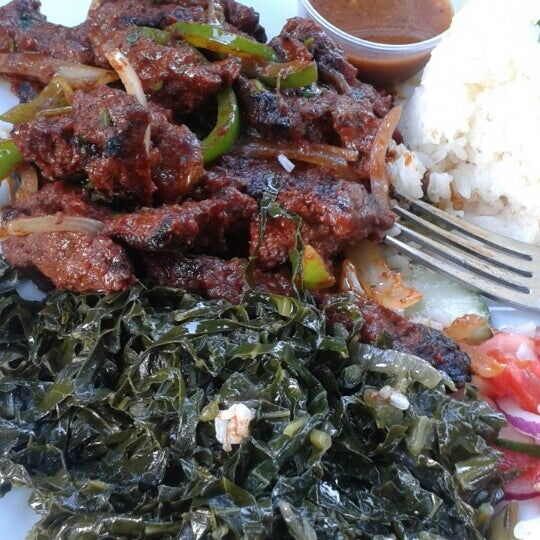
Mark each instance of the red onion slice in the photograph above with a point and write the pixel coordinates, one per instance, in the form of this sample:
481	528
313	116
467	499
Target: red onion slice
522	420
520	489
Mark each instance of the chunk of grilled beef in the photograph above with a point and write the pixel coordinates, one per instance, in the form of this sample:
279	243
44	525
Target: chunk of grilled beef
347	120
195	226
177	161
305	35
118	14
335	213
24	29
244	18
105	137
56	198
406	336
72	261
175	76
212	277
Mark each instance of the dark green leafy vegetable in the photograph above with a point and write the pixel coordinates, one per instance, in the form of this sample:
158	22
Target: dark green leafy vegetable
107	407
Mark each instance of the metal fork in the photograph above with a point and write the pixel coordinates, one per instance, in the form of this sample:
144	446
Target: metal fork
497	267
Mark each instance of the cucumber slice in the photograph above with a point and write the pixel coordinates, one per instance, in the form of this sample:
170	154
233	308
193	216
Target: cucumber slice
530	449
443	300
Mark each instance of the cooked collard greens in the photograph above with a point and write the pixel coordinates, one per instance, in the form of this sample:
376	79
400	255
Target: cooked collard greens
108	406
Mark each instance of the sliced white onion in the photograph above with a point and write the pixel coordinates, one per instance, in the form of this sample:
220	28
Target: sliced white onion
147	139
43	68
378	281
524	421
286	163
323	155
127	75
25	226
80	74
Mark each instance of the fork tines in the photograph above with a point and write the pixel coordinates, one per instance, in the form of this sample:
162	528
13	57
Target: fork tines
498	267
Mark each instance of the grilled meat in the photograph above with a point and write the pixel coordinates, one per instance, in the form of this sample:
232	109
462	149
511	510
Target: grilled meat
56	198
176	218
214	278
24	29
196	227
72	261
405	336
175	76
335	213
105	137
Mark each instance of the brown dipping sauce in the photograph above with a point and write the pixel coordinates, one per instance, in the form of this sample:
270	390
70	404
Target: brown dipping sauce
394	22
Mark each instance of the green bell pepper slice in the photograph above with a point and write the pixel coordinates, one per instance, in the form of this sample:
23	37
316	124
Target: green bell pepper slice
315	274
216	39
286	75
10	157
53	96
224	136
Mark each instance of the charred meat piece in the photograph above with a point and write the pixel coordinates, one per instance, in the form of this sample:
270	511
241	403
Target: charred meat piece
111	15
405	336
203	226
335	213
347	120
24	29
214	278
105	136
50	143
177	159
72	261
244	18
209	277
117	14
175	76
334	68
25	90
56	198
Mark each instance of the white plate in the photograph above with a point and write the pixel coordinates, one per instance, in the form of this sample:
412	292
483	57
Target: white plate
16	517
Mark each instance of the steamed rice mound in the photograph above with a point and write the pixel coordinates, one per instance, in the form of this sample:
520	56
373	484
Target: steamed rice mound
474	122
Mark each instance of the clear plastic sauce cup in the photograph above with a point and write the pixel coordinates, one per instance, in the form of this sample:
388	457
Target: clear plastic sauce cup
381	64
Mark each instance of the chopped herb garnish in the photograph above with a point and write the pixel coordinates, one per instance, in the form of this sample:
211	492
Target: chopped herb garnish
105	118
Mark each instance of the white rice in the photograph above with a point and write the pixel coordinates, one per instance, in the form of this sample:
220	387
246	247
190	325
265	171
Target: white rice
474	121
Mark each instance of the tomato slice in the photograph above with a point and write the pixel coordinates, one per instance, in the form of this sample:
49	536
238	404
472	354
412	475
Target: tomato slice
506	375
512	461
484	364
